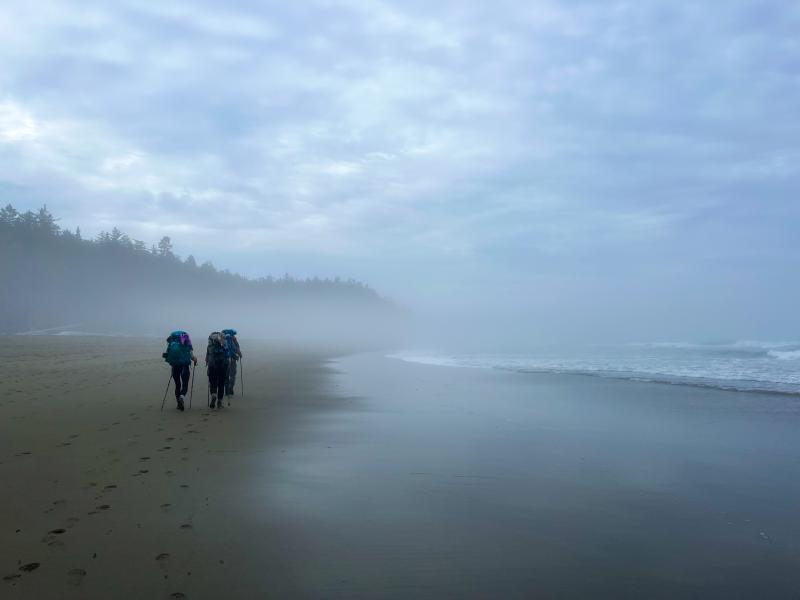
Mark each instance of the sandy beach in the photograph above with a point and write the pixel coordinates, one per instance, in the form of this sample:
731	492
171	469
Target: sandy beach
113	498
369	477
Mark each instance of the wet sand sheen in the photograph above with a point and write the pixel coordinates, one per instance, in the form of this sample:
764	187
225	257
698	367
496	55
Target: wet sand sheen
438	481
376	478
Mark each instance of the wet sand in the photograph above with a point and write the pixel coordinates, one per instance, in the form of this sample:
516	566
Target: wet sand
368	477
446	482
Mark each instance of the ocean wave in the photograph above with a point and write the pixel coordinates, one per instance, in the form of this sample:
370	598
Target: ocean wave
785	354
734	345
769	371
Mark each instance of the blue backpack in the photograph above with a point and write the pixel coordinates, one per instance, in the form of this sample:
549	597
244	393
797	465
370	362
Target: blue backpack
230	345
177	354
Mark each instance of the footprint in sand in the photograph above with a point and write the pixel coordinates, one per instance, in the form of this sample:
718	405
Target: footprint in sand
166	506
73	436
12	577
104	507
169	439
143	458
111	486
162	557
186	526
75	576
29	567
178	596
184	485
57	531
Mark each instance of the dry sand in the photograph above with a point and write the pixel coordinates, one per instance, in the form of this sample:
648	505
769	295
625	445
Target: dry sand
105	496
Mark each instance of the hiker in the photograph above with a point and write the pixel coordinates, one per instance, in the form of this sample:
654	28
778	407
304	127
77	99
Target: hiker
179	355
234	353
217	367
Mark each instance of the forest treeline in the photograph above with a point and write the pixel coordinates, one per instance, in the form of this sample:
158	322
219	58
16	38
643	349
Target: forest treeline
52	277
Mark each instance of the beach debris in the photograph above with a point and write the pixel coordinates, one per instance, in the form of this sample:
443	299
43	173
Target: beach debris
764	536
76	576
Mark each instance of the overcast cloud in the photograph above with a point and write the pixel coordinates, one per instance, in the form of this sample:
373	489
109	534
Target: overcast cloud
585	169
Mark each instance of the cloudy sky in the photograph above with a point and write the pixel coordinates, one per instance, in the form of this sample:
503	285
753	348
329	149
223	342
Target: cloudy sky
622	168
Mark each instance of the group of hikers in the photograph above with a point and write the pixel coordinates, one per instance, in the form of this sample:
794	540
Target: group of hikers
222	354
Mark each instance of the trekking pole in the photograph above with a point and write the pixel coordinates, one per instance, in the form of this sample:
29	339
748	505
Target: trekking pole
191	390
165	392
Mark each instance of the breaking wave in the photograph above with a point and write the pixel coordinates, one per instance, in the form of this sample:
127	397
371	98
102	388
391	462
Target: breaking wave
744	366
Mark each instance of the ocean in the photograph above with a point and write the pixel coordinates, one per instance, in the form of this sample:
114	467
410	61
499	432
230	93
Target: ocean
750	366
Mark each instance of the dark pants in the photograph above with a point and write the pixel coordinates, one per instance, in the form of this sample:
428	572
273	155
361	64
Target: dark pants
180	374
217	375
231	379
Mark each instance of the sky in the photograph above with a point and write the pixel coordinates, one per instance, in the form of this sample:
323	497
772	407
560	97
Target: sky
559	169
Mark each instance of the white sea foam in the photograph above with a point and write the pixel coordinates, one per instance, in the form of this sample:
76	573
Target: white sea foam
785	354
743	365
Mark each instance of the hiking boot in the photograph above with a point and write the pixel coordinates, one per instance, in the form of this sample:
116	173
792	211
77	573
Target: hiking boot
180	403
213	400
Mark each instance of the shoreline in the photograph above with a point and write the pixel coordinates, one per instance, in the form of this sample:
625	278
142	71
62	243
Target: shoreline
729	385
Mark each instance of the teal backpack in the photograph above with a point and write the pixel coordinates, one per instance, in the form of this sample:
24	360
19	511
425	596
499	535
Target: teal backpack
178	352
